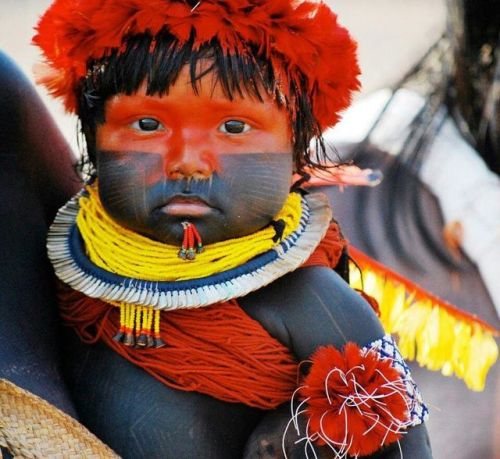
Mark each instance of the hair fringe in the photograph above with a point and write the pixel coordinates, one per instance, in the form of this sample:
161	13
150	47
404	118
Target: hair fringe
159	61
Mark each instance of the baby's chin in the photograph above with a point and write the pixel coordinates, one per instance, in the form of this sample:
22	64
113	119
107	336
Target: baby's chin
211	232
215	226
172	233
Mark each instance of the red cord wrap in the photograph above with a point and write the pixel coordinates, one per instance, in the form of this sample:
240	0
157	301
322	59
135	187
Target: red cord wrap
185	239
190	236
196	234
217	350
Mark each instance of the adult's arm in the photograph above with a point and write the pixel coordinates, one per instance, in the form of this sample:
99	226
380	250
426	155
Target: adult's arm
36	176
28	133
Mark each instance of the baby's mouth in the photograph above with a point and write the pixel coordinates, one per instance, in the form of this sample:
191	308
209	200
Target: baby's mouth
186	206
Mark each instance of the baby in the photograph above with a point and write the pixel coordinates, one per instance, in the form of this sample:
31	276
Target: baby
205	317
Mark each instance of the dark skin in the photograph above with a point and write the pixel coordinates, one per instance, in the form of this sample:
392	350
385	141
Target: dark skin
160	422
36	178
225	205
155	147
225	165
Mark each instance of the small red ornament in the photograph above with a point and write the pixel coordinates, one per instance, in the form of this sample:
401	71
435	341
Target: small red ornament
191	242
356	401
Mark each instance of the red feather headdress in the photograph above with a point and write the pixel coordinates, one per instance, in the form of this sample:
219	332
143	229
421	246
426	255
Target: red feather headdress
301	39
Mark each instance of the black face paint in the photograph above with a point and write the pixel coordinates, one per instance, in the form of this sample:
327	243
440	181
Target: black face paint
242	198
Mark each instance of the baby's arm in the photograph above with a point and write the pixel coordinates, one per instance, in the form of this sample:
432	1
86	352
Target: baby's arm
307	309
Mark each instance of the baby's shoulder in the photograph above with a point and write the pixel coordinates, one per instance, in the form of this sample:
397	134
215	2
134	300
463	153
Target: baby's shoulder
311	307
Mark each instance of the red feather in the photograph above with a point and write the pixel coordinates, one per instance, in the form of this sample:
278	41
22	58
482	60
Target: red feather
302	39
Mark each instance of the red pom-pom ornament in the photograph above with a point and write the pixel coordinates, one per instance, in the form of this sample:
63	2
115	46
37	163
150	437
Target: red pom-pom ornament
356	401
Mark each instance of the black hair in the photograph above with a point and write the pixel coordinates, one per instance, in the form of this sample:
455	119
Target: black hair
159	60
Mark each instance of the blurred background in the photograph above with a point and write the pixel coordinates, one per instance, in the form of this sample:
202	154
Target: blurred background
393	35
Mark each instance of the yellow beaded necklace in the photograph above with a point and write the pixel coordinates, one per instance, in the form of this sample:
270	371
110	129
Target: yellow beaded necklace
121	251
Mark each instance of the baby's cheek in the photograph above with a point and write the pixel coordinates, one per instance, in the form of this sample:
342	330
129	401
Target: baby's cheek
122	167
123	182
258	184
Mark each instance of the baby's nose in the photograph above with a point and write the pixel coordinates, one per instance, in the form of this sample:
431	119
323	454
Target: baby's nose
190	157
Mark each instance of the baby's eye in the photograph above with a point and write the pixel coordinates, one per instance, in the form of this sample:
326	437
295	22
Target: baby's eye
147	124
234	127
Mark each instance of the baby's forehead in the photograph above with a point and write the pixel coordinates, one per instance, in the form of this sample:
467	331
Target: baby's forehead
206	79
201	88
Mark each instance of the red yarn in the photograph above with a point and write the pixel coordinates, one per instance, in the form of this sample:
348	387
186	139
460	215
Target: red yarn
356	400
300	39
217	350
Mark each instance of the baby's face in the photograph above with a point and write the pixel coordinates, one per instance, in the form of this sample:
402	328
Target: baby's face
225	166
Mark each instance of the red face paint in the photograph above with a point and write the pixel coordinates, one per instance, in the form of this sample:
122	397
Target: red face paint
226	165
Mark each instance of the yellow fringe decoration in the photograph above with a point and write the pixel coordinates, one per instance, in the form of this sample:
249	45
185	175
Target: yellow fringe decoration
124	252
434	333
